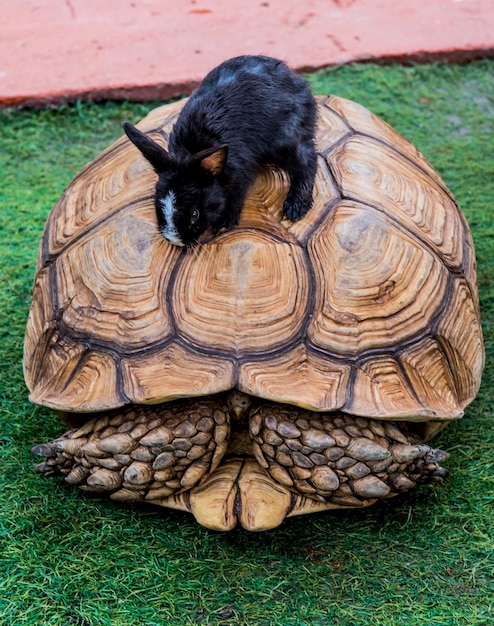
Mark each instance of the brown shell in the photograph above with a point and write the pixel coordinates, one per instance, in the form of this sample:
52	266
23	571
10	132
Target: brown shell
368	304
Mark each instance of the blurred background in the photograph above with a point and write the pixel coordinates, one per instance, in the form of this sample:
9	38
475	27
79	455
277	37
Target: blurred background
63	50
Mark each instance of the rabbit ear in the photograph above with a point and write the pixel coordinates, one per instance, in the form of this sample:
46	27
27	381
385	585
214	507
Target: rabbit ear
153	152
213	159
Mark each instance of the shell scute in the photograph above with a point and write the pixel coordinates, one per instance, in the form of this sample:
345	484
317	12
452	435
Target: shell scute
383	391
102	299
72	375
376	286
460	336
428	371
174	371
364	122
374	174
300	376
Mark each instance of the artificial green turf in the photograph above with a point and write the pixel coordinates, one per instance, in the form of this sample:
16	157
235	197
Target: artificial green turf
425	558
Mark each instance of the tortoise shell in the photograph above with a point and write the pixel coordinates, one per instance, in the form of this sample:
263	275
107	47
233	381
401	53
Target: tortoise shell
367	305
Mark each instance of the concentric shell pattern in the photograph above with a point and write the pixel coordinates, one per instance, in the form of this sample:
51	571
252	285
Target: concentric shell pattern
367	305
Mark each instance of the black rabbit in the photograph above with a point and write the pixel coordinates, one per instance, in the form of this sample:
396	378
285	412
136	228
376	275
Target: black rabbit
248	112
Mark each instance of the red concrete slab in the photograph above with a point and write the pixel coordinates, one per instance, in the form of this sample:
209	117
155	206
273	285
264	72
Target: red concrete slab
60	50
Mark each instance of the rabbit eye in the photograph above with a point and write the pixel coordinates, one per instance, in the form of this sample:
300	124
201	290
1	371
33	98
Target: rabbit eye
194	216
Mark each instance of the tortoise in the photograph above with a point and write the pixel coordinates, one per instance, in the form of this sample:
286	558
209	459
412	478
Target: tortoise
276	369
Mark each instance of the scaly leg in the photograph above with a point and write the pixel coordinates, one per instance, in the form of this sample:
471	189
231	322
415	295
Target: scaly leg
141	452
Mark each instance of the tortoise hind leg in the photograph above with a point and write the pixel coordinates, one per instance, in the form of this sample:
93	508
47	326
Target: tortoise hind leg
141	452
340	459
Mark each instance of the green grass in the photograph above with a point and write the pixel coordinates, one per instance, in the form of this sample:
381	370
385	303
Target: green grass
426	558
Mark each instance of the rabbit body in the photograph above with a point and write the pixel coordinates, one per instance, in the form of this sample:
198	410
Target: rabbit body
248	112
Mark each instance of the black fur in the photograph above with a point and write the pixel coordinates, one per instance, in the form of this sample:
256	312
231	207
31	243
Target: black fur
248	112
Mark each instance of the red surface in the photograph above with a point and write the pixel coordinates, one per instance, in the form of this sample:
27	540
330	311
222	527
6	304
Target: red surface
59	50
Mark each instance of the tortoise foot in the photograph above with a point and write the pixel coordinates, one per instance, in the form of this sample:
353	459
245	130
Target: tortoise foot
141	453
344	460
